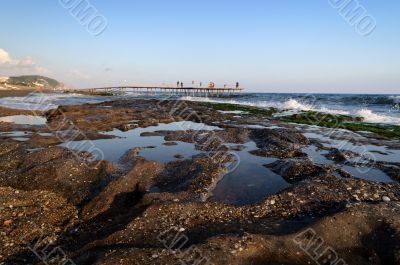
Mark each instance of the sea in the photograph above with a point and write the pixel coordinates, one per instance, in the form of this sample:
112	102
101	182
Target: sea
381	109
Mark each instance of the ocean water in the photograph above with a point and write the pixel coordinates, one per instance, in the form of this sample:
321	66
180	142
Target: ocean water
372	108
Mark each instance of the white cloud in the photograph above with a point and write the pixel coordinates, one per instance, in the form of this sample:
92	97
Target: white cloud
26	66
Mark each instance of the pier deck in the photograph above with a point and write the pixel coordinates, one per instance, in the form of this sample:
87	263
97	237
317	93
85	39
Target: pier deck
169	90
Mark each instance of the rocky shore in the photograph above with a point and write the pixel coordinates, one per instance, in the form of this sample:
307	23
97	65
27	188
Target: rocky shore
60	206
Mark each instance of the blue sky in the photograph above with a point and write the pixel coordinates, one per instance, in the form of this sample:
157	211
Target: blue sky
269	46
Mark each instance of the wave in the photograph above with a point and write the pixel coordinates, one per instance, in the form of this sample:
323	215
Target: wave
369	116
368	99
46	101
293	106
290	104
30	102
396	99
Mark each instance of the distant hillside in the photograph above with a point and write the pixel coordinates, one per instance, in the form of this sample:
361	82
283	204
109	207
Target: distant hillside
35	81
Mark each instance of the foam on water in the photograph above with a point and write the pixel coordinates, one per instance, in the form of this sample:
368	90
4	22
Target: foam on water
291	104
373	108
295	106
371	117
47	101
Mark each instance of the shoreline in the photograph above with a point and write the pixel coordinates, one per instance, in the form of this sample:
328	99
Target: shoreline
93	207
307	117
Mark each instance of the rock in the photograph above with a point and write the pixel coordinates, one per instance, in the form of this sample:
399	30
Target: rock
7	222
237	148
296	169
282	143
386	199
170	143
150	134
340	156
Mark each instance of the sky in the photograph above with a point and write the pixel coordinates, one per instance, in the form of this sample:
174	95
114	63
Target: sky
266	45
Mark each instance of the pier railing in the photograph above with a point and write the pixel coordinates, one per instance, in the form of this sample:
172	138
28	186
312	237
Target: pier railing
170	91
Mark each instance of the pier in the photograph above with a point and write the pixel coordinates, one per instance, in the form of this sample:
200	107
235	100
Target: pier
170	91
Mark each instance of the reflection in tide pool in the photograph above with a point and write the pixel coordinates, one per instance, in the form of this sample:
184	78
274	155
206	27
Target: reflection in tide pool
250	182
24	119
152	147
367	173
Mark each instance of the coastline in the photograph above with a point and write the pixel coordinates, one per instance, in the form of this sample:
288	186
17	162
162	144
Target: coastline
141	203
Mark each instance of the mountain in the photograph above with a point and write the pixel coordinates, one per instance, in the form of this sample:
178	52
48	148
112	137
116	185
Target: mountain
30	81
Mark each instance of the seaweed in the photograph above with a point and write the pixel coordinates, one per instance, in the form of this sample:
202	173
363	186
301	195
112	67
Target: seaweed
342	122
236	107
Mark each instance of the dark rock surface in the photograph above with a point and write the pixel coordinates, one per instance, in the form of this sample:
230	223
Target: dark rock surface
297	169
281	143
133	212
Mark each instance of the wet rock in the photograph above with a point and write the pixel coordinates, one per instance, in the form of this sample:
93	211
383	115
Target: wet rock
130	214
343	173
392	169
234	135
170	143
127	127
216	230
30	215
11	112
45	140
294	170
53	169
282	143
150	134
179	156
126	190
278	152
340	156
237	148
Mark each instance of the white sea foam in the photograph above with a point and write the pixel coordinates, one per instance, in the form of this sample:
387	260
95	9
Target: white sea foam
371	117
37	101
290	104
293	105
396	99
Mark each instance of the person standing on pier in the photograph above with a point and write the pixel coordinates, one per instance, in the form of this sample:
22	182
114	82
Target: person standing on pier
177	84
201	84
181	84
237	84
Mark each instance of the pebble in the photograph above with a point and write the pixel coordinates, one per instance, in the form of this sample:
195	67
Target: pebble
182	229
7	222
386	199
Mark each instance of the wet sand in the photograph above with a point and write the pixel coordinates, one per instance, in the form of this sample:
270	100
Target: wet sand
152	201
